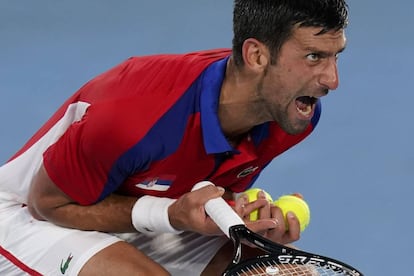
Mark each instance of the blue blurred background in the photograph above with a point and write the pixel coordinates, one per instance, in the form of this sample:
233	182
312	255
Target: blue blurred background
356	171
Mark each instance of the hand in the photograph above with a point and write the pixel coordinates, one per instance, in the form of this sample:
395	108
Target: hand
188	213
271	223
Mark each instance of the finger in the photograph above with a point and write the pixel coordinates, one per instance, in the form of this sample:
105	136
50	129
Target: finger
264	211
257	205
206	193
240	206
192	213
277	214
293	234
262	225
278	233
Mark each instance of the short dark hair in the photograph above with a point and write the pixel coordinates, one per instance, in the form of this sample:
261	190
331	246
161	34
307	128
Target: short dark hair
272	21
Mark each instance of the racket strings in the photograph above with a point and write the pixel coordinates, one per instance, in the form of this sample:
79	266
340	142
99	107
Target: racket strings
269	268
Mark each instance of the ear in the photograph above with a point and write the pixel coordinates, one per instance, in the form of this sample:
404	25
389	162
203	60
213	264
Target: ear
256	56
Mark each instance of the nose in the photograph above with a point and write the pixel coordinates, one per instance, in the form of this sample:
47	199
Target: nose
329	76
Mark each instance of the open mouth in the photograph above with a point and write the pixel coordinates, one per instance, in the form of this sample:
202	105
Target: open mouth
305	104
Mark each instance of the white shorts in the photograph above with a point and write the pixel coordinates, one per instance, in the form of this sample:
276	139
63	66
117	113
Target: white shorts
32	247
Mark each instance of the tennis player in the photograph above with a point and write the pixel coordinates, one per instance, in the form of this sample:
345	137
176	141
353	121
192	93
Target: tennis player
104	186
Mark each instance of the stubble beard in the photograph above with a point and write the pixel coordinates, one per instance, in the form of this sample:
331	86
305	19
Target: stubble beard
289	125
279	113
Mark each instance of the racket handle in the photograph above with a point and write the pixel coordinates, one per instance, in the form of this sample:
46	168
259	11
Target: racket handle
219	211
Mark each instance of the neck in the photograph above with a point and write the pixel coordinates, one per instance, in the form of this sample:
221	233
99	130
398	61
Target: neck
239	107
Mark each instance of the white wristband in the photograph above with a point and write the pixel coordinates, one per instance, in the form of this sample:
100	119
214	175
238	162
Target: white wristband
150	215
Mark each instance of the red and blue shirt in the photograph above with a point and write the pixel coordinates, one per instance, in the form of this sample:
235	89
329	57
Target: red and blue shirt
149	126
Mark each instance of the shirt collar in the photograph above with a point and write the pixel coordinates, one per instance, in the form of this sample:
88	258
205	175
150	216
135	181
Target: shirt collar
212	80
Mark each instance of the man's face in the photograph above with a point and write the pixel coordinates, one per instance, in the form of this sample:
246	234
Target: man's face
306	69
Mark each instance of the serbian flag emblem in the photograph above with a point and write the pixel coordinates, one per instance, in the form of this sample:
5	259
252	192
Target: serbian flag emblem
159	183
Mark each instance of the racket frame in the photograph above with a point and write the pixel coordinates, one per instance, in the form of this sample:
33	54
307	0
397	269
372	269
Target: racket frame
279	253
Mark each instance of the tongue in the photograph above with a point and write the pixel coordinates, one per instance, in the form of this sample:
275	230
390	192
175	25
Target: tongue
304	106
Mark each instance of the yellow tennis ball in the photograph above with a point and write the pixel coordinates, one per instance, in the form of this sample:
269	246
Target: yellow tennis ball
297	205
252	196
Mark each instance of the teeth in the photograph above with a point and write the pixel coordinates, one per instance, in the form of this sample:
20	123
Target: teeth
306	111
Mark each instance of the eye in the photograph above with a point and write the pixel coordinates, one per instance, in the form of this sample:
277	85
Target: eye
313	57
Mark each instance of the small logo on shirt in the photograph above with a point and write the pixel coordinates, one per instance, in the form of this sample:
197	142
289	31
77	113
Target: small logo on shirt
65	266
159	183
247	171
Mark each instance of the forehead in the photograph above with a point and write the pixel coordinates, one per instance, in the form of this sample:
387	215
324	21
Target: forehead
309	38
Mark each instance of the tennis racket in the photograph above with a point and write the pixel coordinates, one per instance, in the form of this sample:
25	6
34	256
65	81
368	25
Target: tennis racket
277	259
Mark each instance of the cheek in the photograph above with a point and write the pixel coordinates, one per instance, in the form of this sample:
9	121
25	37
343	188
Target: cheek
281	86
281	78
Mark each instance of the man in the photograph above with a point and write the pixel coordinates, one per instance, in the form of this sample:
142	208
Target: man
122	154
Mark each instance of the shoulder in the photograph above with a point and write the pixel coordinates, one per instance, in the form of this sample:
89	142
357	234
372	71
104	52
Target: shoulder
192	61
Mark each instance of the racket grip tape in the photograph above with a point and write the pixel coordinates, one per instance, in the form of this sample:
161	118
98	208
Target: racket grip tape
219	211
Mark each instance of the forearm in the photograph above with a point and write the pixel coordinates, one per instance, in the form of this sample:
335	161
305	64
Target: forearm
118	213
113	214
47	202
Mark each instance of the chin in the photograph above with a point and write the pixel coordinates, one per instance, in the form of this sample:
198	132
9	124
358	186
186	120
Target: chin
295	129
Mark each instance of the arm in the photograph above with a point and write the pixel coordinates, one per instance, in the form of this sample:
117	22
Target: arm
48	202
113	214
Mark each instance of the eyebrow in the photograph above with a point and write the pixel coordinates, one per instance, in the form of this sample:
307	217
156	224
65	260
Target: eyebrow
325	53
